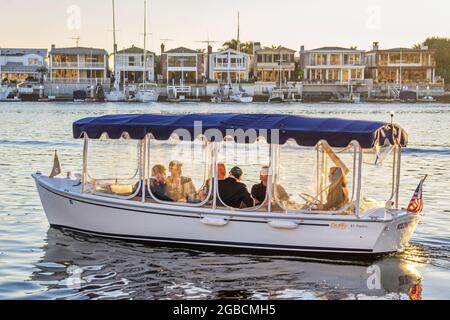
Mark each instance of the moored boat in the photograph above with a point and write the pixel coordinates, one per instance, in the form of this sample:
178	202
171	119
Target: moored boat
115	207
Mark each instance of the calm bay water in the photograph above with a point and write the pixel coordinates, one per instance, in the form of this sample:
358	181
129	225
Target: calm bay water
38	262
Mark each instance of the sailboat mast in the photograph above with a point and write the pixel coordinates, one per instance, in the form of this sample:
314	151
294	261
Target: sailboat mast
114	43
145	42
238	45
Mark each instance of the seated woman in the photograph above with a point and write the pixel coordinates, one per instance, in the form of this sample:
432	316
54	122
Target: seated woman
337	197
179	188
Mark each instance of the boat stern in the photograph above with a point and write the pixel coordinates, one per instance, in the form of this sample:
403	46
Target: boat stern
398	232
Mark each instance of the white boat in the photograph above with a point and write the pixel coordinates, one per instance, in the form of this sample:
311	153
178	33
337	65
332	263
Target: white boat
147	93
241	96
115	95
357	228
5	91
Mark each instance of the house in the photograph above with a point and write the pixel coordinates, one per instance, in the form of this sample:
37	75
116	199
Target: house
181	63
227	66
401	65
20	64
130	65
270	61
78	65
332	65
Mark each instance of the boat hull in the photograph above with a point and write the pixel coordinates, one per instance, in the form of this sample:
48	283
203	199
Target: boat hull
147	96
66	207
115	96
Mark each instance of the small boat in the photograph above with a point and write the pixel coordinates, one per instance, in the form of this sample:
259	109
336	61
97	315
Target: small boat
241	97
276	96
79	96
5	92
112	208
427	99
115	95
147	92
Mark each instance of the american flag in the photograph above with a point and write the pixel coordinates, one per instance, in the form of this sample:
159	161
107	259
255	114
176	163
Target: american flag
416	203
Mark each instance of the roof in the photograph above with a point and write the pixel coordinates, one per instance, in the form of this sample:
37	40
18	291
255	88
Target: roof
181	50
277	49
17	67
229	50
78	50
305	131
403	49
22	52
334	49
134	50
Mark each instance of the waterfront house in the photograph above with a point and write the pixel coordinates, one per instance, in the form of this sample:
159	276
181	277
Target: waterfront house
20	64
130	65
78	65
401	65
332	65
228	66
270	61
181	63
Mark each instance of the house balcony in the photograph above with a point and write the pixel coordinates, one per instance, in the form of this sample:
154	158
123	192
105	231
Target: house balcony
78	65
91	81
230	66
275	66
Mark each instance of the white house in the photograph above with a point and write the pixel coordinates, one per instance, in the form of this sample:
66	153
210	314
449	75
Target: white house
332	65
130	65
19	64
182	63
78	65
229	65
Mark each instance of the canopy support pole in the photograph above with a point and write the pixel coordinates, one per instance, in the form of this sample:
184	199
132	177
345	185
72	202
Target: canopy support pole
399	162
143	160
215	184
358	188
271	183
85	160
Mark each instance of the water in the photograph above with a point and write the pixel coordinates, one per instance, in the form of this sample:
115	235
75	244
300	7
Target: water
38	262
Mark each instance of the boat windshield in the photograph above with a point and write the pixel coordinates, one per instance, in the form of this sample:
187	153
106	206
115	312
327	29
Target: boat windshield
112	167
316	179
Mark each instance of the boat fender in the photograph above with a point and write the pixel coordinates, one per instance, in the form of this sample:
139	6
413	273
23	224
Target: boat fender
215	222
283	224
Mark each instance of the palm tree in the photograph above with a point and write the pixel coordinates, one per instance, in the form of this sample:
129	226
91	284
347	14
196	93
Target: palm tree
42	71
246	47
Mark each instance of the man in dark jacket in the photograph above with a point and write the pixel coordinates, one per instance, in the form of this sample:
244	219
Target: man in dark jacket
234	193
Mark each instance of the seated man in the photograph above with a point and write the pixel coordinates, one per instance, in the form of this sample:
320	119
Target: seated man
259	191
158	185
221	175
234	193
179	188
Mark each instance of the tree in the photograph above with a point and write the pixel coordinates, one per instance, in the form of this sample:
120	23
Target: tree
246	47
442	57
42	72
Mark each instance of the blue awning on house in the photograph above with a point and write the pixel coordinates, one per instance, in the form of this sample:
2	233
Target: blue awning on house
276	128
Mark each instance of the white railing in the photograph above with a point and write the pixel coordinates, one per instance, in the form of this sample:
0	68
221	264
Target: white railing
55	80
240	66
79	65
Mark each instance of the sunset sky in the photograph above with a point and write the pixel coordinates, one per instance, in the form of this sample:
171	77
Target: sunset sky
290	23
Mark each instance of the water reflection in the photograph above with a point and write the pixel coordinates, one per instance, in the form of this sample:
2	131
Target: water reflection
75	266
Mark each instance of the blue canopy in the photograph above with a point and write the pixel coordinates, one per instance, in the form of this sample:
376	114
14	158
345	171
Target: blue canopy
305	131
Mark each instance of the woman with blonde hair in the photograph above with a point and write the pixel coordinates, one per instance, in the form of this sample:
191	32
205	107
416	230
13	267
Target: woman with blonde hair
338	196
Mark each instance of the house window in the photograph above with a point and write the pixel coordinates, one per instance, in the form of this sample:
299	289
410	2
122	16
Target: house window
335	59
33	62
